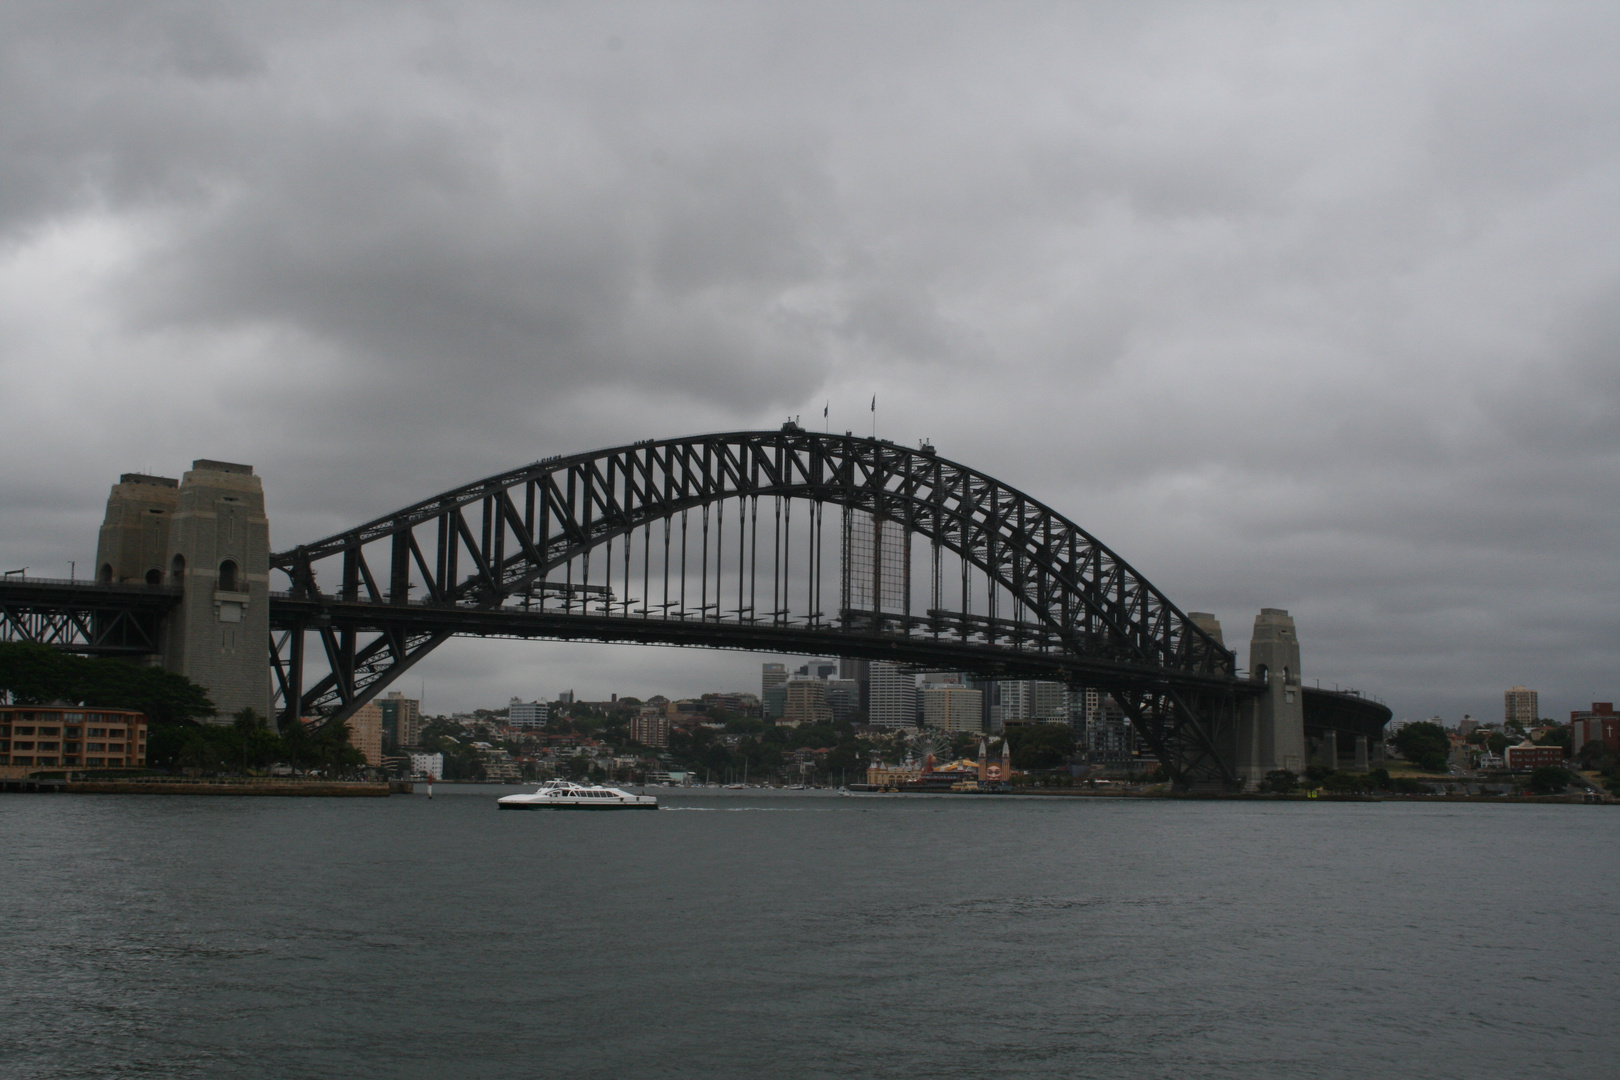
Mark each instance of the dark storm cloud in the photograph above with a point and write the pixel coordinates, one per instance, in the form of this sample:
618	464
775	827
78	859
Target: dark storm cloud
1309	306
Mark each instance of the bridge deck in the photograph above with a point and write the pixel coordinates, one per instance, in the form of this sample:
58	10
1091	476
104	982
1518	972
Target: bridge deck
920	651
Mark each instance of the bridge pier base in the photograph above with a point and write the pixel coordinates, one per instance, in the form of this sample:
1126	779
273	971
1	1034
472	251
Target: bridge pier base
1270	730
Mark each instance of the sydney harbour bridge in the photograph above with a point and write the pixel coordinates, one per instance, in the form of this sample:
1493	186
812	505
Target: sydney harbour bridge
787	541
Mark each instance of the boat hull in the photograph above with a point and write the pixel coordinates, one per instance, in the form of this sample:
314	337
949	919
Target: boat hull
553	805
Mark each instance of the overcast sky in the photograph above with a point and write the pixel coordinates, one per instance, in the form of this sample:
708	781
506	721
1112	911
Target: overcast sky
1292	305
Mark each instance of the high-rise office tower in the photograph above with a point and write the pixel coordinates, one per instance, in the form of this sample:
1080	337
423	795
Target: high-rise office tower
861	672
953	708
401	721
893	701
773	690
807	701
1033	701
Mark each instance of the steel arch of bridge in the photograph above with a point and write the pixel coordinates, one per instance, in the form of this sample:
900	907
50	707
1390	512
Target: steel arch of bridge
511	555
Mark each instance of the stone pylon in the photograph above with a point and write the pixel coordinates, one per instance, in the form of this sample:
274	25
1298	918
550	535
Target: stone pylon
1271	727
134	543
208	535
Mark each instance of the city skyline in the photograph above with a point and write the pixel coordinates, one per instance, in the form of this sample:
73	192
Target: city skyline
748	681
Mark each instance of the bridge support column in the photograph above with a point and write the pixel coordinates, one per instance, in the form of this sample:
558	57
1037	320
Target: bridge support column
220	536
1327	751
1271	727
208	535
1362	762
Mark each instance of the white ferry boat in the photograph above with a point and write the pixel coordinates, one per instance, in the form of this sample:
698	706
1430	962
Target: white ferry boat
564	795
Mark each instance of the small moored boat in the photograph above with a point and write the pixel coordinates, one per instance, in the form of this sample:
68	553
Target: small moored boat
565	795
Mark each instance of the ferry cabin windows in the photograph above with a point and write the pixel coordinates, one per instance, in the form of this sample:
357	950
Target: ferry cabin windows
227	576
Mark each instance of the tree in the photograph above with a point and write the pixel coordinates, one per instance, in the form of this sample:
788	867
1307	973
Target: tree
1425	744
33	674
1550	779
1557	736
37	673
1041	746
1343	782
1281	781
846	758
1597	757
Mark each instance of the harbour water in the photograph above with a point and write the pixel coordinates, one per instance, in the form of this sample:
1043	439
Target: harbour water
740	934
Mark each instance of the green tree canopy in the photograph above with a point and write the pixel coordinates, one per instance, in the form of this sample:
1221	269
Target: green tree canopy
1426	744
1281	781
1561	735
1040	746
1550	779
34	674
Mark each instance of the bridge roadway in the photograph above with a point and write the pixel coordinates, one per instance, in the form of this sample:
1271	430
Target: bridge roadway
1347	714
923	653
124	620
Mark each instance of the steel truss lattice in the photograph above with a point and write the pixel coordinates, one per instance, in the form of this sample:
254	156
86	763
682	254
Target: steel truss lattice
86	617
512	556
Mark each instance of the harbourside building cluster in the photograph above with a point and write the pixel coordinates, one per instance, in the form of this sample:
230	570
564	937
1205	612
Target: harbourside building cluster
813	721
1493	756
894	697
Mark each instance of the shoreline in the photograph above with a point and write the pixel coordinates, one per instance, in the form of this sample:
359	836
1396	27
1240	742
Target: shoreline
209	786
1577	798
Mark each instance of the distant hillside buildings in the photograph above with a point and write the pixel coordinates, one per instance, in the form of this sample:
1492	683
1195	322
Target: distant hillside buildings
650	728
